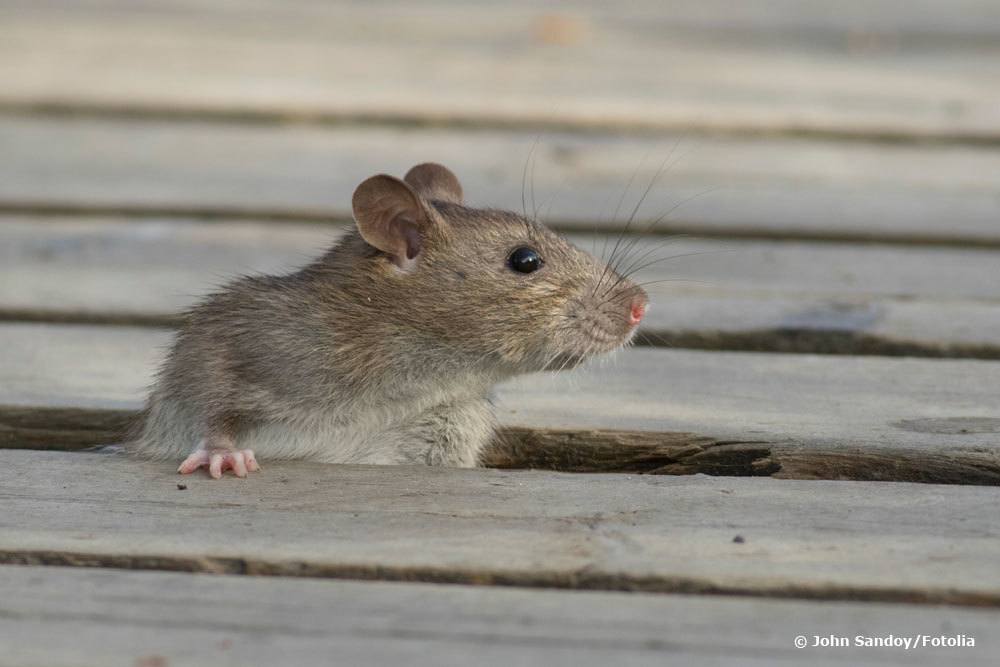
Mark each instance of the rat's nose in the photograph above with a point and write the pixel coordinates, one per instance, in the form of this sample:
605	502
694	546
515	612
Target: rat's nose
636	310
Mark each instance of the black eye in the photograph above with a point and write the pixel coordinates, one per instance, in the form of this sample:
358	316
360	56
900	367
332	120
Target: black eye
524	260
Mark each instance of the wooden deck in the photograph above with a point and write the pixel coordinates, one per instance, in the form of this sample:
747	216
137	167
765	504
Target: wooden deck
806	440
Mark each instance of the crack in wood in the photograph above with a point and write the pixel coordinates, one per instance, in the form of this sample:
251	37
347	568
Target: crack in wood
588	451
277	115
554	579
815	341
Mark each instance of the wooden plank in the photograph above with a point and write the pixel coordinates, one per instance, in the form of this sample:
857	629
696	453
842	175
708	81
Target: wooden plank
655	410
720	294
62	616
928	20
527	64
714	186
829	540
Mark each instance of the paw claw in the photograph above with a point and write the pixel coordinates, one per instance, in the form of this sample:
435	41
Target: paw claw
193	462
215	465
239	466
240	461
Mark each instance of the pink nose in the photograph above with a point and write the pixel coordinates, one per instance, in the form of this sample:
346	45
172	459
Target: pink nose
637	310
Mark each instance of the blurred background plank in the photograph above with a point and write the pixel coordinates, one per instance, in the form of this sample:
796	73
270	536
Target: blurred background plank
880	69
765	295
763	187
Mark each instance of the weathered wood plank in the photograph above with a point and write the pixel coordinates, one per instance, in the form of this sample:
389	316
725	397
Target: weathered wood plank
61	616
798	416
720	294
829	540
737	187
530	64
928	20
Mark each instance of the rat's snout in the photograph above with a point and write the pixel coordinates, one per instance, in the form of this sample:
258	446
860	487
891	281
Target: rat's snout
601	314
608	318
637	309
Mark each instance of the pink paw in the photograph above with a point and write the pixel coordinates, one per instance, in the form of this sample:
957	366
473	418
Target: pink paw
240	461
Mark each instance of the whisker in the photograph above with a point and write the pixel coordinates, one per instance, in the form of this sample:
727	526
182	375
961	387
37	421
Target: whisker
666	214
658	246
660	340
665	166
614	218
633	270
656	177
524	178
686	254
524	183
600	217
635	239
531	185
677	280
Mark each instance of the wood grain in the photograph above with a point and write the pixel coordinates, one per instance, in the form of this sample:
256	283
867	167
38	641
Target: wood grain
651	410
816	540
69	617
574	66
768	187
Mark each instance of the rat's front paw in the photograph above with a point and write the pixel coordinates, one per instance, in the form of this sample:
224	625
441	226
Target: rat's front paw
240	461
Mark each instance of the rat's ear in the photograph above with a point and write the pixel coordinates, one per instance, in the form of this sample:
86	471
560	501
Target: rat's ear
435	181
391	217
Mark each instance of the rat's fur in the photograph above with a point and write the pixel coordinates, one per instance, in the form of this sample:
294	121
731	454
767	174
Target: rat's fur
354	359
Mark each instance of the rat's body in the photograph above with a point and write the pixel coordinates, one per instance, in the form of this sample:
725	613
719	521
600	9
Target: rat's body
385	349
291	370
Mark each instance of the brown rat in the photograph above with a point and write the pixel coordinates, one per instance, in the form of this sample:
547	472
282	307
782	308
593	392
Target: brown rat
385	349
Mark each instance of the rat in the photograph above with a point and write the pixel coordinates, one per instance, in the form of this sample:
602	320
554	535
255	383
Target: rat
385	349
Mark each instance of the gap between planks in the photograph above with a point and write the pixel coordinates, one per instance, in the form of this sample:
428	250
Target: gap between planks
58	109
584	450
46	210
580	580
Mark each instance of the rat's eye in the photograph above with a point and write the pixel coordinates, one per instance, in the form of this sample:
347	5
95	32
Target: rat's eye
524	260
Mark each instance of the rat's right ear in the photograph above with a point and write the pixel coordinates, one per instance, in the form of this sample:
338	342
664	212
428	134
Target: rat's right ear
391	217
435	181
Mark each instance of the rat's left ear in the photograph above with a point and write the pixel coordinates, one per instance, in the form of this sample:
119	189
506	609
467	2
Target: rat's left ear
435	181
392	218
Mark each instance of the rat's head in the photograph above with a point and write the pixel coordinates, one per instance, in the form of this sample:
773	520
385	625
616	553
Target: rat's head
491	284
